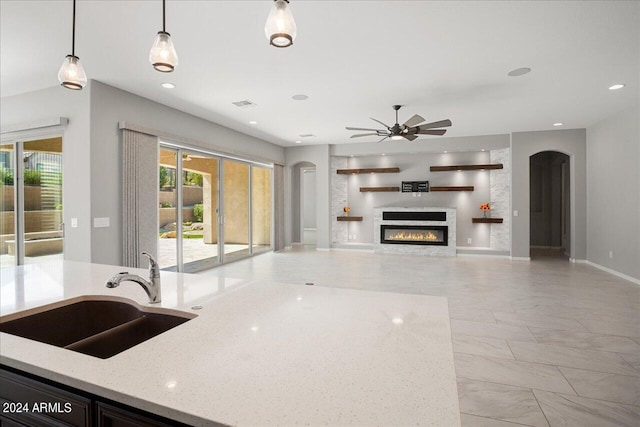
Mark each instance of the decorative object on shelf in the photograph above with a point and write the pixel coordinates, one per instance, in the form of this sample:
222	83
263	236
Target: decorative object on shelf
409	130
280	28
346	210
452	168
71	74
367	170
415	186
485	207
163	55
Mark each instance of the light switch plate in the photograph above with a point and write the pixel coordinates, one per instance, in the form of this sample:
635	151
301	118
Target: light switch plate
74	222
101	222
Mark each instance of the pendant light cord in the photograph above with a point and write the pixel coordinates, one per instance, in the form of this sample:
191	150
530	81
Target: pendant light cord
163	17
73	31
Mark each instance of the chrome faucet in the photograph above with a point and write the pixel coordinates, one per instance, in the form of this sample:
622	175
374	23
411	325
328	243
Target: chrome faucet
151	286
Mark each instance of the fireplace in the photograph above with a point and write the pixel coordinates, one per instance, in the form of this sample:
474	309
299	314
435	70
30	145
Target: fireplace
433	235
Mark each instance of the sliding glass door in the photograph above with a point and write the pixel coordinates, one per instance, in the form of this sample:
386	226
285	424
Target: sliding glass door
212	209
31	226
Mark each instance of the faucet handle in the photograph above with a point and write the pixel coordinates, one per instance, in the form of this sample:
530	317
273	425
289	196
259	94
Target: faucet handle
154	268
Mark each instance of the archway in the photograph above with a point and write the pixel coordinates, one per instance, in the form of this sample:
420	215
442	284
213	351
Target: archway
549	205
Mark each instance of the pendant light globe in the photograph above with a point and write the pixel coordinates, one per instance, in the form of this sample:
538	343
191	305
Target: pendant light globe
163	55
71	74
280	28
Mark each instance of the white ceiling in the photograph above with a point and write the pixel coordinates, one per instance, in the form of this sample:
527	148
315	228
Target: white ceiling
354	59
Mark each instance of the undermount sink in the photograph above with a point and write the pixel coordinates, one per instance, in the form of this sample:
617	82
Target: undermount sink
96	326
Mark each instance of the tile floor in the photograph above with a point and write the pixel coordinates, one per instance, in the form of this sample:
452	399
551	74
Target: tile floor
540	343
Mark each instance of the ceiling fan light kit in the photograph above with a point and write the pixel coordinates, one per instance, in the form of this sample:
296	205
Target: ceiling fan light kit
71	74
163	55
280	28
409	130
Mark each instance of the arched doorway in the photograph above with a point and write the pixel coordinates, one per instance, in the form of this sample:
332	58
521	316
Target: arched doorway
549	205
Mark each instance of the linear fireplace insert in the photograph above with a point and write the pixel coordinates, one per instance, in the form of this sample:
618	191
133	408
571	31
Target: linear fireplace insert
435	235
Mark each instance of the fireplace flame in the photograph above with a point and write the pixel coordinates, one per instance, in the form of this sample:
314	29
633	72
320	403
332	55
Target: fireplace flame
425	236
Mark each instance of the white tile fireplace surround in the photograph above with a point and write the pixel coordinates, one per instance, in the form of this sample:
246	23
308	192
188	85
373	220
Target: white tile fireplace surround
447	219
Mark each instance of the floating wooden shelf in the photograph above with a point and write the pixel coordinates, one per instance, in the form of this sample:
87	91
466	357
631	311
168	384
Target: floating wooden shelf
464	167
349	218
369	170
453	188
487	220
379	189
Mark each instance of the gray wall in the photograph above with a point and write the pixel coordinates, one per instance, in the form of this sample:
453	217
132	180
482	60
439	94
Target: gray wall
415	167
317	155
309	199
571	142
613	184
76	196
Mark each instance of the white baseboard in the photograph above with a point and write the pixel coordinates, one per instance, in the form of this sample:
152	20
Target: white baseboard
577	261
614	272
520	258
484	256
323	249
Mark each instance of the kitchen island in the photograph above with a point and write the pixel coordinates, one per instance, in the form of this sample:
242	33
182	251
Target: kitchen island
258	353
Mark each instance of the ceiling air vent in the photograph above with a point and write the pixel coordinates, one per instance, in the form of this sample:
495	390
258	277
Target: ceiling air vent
307	135
244	104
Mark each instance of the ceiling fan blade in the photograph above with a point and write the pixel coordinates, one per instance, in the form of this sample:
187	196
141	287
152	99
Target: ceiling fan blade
363	134
376	120
383	139
416	119
409	137
440	124
432	132
372	130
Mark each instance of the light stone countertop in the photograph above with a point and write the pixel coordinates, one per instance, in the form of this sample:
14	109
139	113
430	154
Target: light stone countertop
258	353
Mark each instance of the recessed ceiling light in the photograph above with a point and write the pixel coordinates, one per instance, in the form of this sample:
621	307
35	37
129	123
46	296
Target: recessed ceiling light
482	149
397	321
384	154
616	87
445	151
300	97
168	85
298	142
558	124
253	122
519	72
351	155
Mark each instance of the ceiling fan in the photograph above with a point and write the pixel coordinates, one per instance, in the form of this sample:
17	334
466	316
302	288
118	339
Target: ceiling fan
409	130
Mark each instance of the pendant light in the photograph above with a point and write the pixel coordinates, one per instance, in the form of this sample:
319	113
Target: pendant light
163	55
280	28
71	74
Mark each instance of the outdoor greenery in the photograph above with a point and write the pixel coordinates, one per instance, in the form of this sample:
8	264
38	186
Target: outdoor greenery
32	177
166	205
6	176
198	212
167	178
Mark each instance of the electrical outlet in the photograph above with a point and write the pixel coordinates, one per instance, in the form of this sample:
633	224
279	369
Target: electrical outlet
355	237
469	241
515	213
74	222
610	254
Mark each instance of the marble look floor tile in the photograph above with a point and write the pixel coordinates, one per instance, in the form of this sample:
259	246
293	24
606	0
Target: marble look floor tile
564	410
621	328
468	420
586	340
571	357
632	359
471	314
605	386
511	372
482	346
538	321
491	330
499	401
